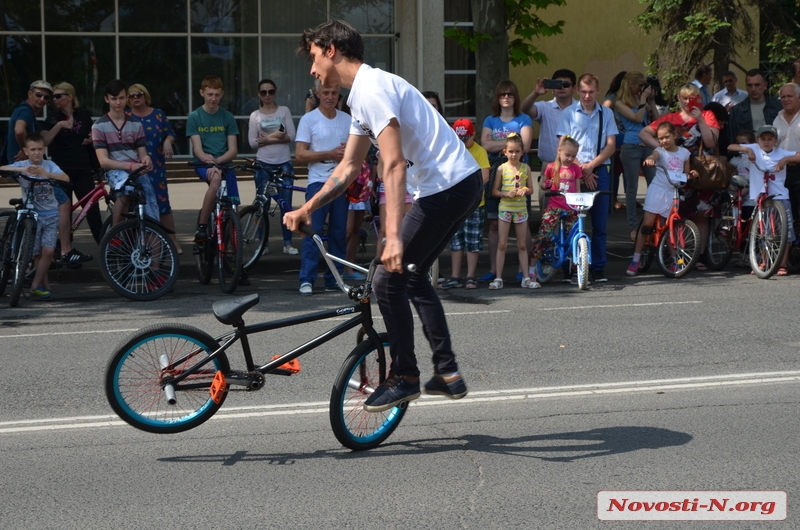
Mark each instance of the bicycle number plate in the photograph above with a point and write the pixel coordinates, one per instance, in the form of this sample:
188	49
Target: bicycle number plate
580	199
218	387
677	176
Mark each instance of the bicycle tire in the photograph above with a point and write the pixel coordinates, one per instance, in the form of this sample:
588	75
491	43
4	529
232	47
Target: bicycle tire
139	265
255	233
8	220
769	227
648	252
720	241
229	257
27	232
677	262
134	378
583	264
366	367
204	254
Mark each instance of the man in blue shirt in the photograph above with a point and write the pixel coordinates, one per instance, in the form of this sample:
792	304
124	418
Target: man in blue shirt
23	121
587	122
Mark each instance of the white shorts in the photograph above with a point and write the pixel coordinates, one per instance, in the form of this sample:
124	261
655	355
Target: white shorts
358	206
658	200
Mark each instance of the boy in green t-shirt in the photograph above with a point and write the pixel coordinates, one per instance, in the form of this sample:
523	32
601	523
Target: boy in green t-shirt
212	131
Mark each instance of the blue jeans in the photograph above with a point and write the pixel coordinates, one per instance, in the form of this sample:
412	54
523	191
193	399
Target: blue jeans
427	229
285	192
336	213
115	179
599	213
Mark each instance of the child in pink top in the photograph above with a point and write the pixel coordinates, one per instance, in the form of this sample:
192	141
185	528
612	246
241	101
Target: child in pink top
562	175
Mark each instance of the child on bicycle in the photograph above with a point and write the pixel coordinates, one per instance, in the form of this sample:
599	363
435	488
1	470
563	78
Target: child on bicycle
46	206
213	131
512	183
562	175
669	157
766	157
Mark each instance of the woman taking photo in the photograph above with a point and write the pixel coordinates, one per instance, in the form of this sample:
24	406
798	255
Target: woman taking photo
634	107
271	130
68	137
160	137
506	118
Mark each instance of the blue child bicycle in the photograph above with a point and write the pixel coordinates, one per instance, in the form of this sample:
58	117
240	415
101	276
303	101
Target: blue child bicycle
573	248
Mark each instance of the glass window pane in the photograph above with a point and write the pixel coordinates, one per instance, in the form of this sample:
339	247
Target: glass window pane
139	15
378	52
20	65
144	60
290	73
225	16
459	92
456	57
457	11
367	16
20	16
70	59
235	60
276	18
181	145
86	15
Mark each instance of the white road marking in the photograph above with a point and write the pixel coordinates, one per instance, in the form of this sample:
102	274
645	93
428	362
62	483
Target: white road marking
319	407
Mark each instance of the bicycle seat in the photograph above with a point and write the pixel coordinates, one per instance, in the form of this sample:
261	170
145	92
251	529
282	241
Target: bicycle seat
230	311
15	202
740	181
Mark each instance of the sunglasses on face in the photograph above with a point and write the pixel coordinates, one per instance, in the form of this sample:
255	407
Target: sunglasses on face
59	96
270	92
39	95
506	95
566	84
136	95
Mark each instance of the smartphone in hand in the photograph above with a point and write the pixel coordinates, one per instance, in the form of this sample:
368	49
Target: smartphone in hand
555	84
695	102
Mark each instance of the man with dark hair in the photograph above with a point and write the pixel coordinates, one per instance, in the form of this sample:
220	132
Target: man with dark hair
756	110
418	148
548	114
702	78
730	95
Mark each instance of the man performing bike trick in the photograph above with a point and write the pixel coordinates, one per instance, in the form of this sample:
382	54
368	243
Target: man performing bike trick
416	146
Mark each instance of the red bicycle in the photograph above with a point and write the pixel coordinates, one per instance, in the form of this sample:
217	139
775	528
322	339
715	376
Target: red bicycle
90	200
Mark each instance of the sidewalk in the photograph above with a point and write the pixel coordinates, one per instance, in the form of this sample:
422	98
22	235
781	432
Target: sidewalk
185	198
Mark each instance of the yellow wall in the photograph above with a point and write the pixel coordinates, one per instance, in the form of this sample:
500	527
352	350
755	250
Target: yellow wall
598	38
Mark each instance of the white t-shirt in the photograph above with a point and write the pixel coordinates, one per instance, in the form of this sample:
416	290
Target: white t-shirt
323	134
723	97
436	159
766	162
669	161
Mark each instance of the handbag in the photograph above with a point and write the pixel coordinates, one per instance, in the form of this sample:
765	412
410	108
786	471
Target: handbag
715	172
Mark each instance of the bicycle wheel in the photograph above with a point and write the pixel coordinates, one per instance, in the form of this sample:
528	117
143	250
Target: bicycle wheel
768	235
676	261
135	380
140	264
229	257
544	267
204	254
7	222
720	240
363	370
24	253
255	232
648	252
583	264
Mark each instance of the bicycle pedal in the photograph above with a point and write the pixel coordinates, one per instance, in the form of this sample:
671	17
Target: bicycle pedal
218	387
292	366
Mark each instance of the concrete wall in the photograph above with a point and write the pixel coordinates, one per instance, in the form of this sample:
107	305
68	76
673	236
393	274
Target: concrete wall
420	48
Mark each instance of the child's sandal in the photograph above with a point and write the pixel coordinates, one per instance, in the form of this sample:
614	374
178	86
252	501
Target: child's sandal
471	283
497	283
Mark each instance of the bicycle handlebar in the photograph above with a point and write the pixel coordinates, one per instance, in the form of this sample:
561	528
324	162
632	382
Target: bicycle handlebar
309	231
14	175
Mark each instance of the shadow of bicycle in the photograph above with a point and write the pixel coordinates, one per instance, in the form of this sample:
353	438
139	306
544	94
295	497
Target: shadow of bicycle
556	447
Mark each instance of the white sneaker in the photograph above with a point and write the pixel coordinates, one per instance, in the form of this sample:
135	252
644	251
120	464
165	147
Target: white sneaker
306	289
290	250
265	251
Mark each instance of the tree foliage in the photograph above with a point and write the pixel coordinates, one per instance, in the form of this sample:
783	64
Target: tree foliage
716	32
493	21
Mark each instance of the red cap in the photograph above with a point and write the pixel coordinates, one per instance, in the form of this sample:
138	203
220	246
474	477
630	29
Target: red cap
464	128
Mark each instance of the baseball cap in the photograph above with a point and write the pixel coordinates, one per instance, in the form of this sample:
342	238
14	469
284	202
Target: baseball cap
464	128
767	129
42	84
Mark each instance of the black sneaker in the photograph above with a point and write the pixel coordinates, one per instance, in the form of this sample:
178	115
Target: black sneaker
598	276
74	258
391	393
201	234
244	281
456	389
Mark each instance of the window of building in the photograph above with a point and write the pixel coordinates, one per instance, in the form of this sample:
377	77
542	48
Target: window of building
459	64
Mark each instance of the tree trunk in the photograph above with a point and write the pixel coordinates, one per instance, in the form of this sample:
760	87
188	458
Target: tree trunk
491	57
